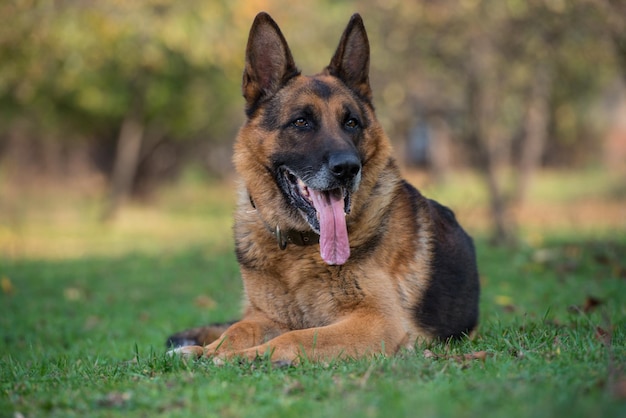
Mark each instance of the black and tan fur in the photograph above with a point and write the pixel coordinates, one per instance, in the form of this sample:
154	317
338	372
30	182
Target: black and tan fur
411	272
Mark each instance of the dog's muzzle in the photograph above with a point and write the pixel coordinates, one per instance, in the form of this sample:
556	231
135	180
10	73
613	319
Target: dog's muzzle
324	200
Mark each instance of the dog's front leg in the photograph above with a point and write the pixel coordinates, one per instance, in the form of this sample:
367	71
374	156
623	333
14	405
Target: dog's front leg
355	336
249	332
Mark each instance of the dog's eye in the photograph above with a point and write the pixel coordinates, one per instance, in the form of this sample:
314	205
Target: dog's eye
300	123
352	123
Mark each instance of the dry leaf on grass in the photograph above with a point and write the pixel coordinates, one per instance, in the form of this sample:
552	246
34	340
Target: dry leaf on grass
204	302
72	294
115	399
429	354
603	335
461	358
591	303
7	286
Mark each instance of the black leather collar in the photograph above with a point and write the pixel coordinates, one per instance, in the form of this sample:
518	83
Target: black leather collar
290	236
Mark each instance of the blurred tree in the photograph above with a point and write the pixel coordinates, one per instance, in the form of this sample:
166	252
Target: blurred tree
515	62
142	72
508	82
153	69
145	67
612	19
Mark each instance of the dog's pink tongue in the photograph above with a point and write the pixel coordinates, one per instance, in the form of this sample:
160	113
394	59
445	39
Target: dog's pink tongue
334	245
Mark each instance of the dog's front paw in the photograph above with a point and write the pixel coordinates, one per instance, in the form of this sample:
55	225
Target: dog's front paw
187	352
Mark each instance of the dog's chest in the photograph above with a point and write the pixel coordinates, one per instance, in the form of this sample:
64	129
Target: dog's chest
306	299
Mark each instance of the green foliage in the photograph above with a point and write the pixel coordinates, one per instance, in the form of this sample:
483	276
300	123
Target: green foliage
90	64
82	66
429	50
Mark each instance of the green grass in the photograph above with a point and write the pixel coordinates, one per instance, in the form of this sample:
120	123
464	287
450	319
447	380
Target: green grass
85	309
84	337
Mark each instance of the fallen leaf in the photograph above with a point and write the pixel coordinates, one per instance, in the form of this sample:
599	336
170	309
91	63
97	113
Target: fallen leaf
591	303
429	354
478	355
503	300
603	335
115	399
7	286
556	345
205	302
72	294
509	308
462	358
545	255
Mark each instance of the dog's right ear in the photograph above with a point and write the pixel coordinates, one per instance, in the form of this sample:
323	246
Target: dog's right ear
269	63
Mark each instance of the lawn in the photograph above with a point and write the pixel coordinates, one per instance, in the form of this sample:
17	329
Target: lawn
85	310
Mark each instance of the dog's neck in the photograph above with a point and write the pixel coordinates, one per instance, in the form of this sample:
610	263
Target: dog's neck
289	236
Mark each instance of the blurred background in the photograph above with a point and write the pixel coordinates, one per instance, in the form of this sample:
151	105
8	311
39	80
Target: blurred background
117	117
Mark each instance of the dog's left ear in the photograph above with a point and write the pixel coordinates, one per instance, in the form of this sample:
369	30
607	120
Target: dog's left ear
352	59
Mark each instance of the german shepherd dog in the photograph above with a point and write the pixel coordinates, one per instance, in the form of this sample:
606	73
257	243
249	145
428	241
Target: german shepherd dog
339	256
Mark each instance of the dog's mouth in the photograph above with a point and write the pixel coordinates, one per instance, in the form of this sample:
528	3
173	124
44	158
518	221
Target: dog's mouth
325	211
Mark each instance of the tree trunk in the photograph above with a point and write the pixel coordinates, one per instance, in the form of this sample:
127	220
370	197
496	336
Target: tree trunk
615	12
439	148
125	165
491	139
535	131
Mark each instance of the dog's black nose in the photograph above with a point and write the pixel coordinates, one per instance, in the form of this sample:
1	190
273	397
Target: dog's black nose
344	165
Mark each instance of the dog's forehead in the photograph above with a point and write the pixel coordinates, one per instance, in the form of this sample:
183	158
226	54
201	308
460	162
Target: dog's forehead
322	88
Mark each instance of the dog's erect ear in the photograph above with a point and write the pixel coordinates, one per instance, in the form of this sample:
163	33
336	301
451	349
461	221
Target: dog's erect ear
352	59
269	64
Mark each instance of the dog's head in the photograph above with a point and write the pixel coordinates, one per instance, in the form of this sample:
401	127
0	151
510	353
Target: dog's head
304	149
